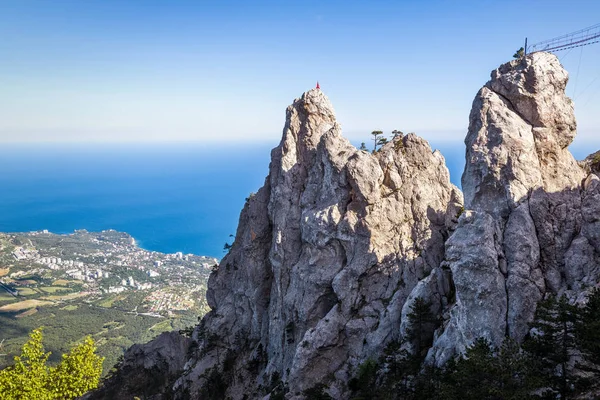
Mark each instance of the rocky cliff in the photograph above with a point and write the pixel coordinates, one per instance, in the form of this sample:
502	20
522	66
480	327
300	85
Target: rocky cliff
332	251
325	257
531	225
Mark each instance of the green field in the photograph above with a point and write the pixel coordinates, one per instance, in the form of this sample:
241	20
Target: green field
26	291
54	289
160	327
64	297
23	305
108	302
5	296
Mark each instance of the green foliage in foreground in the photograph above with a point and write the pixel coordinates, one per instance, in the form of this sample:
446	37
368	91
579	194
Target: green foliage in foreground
113	330
30	378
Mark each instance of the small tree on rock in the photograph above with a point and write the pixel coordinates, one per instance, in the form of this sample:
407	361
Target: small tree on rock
519	53
396	133
421	324
376	138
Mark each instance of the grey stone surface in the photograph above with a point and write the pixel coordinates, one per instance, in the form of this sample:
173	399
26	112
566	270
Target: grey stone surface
342	236
148	370
480	307
521	179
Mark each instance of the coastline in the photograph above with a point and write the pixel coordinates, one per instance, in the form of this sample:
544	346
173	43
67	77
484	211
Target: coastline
136	243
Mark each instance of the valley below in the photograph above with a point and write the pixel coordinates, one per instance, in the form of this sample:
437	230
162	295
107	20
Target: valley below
94	283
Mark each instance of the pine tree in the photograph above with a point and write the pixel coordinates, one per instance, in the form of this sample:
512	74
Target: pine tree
553	343
376	138
589	328
519	53
484	372
588	338
363	146
382	141
405	377
471	376
396	133
399	373
425	385
421	324
516	372
364	384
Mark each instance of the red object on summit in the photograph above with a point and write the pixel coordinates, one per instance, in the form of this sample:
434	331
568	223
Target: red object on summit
318	87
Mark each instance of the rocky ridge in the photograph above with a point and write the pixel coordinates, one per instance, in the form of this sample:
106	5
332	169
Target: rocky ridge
332	251
326	254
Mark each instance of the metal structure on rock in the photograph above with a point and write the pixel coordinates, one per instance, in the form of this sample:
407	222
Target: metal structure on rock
583	37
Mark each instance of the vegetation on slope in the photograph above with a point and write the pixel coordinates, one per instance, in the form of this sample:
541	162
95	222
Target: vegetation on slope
560	359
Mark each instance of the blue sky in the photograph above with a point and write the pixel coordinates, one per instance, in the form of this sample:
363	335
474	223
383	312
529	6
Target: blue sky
225	71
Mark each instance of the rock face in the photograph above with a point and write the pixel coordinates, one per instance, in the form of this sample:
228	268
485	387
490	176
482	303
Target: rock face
530	227
148	371
333	250
325	256
591	163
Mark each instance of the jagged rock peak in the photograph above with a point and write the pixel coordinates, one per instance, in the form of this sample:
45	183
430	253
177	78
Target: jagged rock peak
325	257
313	103
309	117
519	128
528	229
591	163
535	87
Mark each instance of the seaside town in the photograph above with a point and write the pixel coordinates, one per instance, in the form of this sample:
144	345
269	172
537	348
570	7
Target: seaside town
99	265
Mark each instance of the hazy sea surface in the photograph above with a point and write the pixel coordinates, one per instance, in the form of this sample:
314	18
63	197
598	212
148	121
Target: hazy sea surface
171	197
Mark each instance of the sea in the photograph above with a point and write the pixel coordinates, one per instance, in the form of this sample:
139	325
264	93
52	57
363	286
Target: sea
170	196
